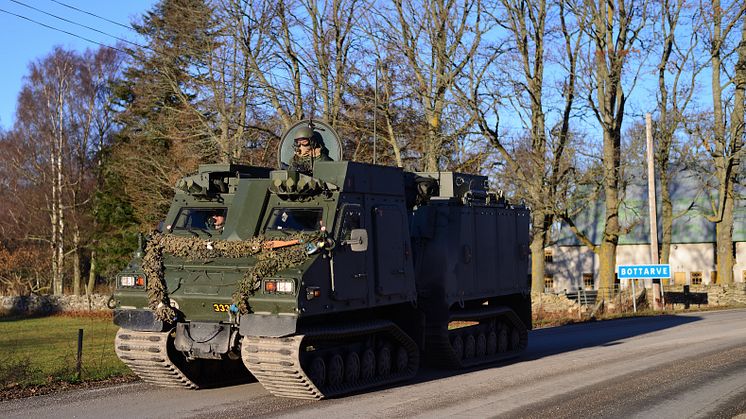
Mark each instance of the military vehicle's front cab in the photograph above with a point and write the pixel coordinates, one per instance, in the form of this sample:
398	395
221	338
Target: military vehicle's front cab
174	305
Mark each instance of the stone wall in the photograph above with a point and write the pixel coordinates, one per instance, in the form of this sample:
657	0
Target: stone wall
559	304
553	303
45	304
718	295
727	296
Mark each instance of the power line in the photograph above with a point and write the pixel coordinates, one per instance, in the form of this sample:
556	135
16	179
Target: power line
76	23
188	61
191	62
63	31
94	15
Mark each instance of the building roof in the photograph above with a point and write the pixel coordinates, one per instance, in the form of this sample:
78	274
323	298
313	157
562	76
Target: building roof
691	197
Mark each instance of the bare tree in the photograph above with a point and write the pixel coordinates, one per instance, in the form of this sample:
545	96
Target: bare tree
44	115
390	96
677	74
725	142
537	162
267	37
439	40
53	147
331	32
614	28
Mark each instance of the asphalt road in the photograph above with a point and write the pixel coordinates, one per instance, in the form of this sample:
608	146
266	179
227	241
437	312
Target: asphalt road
682	366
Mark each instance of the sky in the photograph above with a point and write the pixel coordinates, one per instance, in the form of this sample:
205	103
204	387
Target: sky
23	41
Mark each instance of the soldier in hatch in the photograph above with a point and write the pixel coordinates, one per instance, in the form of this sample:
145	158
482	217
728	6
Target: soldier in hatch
308	149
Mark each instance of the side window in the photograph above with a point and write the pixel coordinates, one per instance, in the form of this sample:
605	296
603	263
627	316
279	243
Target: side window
352	218
295	219
199	218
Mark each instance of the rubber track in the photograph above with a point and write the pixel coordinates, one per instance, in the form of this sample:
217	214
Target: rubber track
276	363
146	354
438	343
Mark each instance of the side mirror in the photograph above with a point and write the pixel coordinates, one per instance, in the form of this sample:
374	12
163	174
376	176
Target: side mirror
358	240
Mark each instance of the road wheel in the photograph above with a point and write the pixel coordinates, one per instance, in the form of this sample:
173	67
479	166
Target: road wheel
481	345
470	346
335	374
515	338
317	371
492	343
368	364
402	359
383	361
352	367
502	339
458	346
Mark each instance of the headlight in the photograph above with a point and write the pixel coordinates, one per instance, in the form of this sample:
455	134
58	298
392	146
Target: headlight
132	281
279	286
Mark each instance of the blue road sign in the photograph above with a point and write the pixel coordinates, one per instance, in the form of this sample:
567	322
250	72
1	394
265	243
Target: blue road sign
643	271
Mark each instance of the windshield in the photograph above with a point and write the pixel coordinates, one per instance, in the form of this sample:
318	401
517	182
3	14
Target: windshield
205	219
295	219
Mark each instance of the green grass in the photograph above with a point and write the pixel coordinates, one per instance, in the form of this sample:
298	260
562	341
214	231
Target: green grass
40	351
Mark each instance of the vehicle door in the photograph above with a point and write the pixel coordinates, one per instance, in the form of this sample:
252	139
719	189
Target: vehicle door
349	277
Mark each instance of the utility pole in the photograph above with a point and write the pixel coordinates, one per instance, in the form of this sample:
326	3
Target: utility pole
651	192
375	116
653	213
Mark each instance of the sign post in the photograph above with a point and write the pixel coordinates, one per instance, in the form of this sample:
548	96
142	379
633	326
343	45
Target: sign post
633	272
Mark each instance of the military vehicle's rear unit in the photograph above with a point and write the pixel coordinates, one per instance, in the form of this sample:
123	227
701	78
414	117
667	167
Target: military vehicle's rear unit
324	283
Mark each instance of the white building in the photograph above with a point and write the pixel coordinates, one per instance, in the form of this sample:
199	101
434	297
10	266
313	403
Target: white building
571	266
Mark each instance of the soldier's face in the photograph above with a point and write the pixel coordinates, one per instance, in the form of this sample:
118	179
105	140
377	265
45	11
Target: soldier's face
303	142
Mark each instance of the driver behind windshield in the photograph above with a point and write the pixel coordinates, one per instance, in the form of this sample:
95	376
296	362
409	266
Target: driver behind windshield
217	222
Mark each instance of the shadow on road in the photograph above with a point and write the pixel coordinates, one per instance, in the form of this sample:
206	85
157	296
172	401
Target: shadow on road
557	340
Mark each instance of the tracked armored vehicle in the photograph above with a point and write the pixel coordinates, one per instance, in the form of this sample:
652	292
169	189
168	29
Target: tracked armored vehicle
324	283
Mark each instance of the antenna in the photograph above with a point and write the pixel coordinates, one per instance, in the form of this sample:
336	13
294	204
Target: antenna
375	115
313	101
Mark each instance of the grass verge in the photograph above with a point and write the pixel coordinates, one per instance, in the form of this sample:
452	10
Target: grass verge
38	355
42	351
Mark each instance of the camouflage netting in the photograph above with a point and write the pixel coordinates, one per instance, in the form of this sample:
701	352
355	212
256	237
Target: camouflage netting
271	258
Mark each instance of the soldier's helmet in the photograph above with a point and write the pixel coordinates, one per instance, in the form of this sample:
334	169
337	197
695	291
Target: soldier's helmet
306	132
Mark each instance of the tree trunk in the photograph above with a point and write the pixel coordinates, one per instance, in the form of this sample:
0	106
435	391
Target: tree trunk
537	252
91	275
724	237
60	244
77	279
666	219
727	154
607	250
57	170
606	269
392	140
725	245
432	147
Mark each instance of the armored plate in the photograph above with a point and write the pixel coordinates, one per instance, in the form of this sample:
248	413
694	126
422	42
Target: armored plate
322	131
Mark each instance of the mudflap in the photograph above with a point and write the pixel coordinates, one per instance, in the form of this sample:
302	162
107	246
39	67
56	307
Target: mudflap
268	325
139	320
